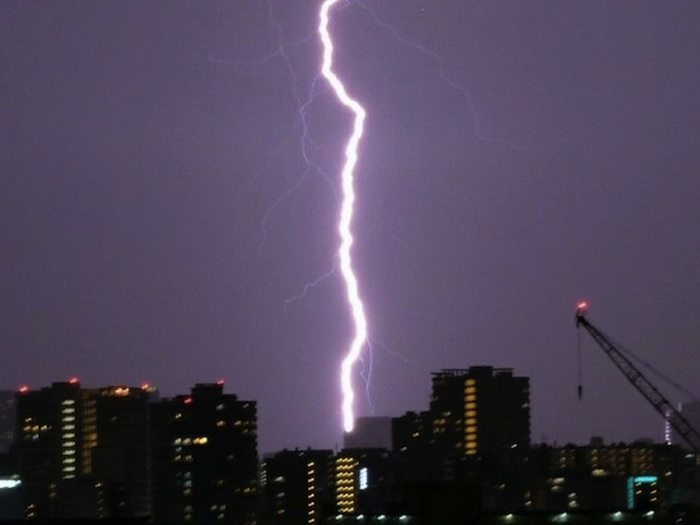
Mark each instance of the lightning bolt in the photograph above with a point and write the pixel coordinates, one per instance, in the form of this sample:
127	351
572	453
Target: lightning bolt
346	212
302	107
309	286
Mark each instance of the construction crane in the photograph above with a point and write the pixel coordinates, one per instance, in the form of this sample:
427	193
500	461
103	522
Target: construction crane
640	381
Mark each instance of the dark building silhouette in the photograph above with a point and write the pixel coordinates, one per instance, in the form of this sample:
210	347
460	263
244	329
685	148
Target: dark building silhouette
52	452
481	412
205	458
120	458
8	419
476	432
413	442
637	476
367	482
369	432
297	486
83	452
119	453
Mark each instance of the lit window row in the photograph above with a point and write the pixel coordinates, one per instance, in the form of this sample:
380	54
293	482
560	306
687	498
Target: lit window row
200	440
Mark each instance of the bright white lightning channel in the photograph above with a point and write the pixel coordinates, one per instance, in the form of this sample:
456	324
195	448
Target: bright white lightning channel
344	224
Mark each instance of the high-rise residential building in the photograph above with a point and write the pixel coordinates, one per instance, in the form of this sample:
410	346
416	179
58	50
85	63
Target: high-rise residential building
297	486
369	432
119	459
477	429
481	412
367	482
413	442
82	452
51	450
205	462
7	419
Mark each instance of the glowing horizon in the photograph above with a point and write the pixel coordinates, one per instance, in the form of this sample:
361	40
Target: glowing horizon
345	220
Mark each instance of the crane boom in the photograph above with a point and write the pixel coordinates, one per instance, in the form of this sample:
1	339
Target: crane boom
640	382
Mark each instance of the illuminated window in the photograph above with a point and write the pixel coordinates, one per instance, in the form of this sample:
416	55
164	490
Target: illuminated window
364	478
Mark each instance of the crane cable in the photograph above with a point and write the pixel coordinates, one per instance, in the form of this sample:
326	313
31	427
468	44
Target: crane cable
664	377
634	357
579	365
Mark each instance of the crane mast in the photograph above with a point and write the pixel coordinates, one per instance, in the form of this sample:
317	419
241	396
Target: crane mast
640	381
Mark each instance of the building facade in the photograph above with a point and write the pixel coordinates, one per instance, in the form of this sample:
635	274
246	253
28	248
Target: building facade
297	486
82	453
482	412
476	432
369	432
367	481
205	462
7	419
638	476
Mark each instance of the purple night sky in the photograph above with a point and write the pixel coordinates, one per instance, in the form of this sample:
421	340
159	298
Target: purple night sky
143	146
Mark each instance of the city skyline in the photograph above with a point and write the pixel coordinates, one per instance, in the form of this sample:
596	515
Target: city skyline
498	386
161	219
126	452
